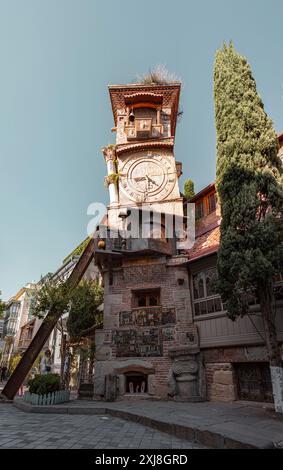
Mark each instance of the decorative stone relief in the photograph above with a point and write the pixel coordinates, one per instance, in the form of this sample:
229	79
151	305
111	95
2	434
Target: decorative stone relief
135	343
186	380
189	336
141	274
168	334
126	318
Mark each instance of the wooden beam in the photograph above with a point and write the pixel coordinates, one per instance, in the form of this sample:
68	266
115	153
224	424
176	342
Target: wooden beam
43	333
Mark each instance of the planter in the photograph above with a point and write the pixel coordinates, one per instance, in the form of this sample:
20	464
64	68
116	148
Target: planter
54	398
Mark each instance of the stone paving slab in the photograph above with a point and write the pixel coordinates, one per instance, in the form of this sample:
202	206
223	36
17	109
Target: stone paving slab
19	430
217	425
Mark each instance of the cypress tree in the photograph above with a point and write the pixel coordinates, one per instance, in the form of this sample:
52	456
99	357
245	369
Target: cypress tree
189	189
249	186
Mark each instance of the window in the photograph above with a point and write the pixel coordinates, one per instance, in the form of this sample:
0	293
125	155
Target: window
146	298
211	203
22	334
15	308
205	299
199	210
30	332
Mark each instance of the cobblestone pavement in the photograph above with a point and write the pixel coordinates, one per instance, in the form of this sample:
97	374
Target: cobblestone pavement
41	431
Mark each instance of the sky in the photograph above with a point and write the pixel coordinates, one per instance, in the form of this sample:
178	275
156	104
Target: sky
57	59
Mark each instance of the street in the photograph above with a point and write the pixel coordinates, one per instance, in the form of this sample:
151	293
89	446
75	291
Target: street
42	431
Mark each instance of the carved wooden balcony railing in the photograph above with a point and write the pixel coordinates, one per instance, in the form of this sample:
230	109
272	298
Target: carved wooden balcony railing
143	128
148	317
142	245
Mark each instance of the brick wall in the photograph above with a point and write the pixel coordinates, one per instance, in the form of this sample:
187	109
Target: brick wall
147	273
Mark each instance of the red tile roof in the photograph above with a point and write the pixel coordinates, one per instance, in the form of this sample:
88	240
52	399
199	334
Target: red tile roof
203	192
206	244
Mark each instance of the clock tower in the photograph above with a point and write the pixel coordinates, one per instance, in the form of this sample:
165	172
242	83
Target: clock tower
143	158
148	345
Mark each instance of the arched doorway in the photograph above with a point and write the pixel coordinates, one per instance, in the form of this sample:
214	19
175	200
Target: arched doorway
136	382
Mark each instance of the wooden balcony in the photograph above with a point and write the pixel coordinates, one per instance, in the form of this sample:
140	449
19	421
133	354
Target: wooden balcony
132	246
143	129
24	343
152	316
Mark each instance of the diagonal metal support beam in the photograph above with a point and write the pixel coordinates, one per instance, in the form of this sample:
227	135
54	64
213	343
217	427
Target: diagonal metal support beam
43	333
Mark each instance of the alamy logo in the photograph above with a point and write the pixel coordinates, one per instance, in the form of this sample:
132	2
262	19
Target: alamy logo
142	222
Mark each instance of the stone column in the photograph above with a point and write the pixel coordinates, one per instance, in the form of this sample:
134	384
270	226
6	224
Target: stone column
158	116
110	156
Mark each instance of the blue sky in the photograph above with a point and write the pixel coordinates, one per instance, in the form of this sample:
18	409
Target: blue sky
57	58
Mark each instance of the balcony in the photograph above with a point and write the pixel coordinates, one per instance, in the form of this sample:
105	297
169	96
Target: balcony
143	129
24	343
116	247
148	317
9	332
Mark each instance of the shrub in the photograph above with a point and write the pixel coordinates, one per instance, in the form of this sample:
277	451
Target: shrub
158	76
43	384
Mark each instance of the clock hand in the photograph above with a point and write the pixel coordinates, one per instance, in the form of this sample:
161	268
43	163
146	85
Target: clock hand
149	179
140	178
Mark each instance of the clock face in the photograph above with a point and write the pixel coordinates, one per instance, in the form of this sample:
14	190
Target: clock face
148	178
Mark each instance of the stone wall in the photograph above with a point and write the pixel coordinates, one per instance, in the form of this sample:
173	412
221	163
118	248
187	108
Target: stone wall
221	369
220	381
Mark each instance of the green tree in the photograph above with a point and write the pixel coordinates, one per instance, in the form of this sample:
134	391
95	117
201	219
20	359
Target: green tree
84	313
53	294
81	302
189	189
249	185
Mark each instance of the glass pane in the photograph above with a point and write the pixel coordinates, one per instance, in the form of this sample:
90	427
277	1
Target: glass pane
153	300
210	277
217	304
141	301
199	210
201	288
209	289
203	309
197	310
211	203
195	287
210	306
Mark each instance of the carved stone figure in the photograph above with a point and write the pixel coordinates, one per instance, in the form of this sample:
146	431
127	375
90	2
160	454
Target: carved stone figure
186	380
185	372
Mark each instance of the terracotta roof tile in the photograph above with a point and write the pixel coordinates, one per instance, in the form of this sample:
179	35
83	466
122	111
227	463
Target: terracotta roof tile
205	244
